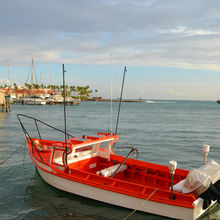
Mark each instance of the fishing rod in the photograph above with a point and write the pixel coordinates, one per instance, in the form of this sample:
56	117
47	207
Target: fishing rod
64	105
119	108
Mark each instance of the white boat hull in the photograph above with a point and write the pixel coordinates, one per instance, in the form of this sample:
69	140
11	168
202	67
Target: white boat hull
118	199
35	103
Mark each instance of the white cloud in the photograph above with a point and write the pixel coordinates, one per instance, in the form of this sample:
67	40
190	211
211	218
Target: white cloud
188	32
4	82
182	34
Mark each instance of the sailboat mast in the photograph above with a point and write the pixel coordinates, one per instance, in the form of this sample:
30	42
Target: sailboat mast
50	76
9	71
32	76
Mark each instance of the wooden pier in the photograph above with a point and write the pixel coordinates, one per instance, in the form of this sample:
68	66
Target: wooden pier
5	102
6	107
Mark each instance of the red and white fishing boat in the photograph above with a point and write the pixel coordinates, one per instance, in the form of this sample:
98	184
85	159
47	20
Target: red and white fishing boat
87	166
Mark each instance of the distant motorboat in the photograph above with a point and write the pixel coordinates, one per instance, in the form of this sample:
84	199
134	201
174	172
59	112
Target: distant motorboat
55	99
218	101
149	101
34	100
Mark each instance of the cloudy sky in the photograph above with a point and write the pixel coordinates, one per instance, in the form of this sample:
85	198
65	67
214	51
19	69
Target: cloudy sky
171	48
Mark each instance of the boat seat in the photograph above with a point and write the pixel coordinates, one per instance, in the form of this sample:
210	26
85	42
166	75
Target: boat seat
107	172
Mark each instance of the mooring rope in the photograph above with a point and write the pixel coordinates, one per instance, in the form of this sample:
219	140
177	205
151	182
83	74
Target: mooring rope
11	154
140	205
24	154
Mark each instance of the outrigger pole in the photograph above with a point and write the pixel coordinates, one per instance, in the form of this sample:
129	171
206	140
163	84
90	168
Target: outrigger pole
64	104
119	108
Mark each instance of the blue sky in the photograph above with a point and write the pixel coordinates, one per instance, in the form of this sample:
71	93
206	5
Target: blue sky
171	48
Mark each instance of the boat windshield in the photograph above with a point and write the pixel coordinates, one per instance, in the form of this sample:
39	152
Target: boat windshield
85	148
104	146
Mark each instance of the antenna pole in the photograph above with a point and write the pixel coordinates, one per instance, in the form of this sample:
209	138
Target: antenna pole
64	104
9	75
51	76
119	108
111	100
32	76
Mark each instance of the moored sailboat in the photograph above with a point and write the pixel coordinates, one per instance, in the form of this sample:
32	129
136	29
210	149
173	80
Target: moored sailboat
34	100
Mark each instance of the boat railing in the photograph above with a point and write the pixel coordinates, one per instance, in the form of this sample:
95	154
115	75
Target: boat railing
36	123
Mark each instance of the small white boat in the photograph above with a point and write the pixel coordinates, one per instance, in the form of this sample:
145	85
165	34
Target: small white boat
149	101
55	99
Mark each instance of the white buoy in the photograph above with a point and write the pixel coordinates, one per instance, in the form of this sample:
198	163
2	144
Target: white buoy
172	168
205	150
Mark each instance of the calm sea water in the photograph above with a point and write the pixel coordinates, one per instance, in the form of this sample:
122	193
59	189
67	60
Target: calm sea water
162	131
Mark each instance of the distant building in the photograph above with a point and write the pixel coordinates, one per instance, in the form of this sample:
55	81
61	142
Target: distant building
97	98
2	96
23	92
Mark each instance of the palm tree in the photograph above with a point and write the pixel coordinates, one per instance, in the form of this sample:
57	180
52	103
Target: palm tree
73	91
36	86
66	91
83	92
28	86
15	86
42	86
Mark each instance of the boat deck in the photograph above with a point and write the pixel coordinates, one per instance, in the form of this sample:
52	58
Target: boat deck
140	179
